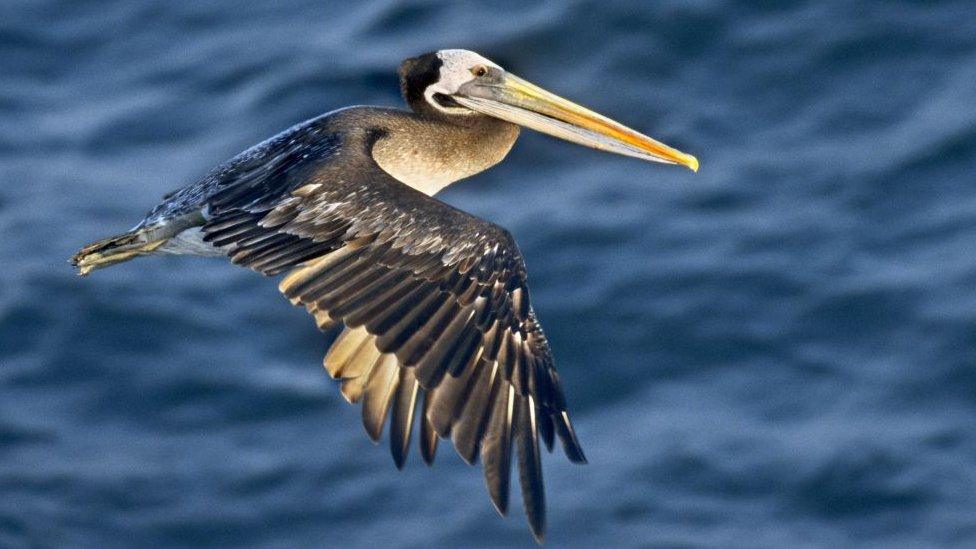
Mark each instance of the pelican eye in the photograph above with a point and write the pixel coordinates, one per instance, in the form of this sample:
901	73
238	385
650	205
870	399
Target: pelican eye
479	70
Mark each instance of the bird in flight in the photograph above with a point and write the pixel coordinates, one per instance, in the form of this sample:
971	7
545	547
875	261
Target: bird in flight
438	328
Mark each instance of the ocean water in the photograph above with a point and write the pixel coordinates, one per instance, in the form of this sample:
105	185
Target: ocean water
778	351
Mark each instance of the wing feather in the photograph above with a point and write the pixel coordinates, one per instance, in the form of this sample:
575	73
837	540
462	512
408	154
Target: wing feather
530	466
473	420
338	361
428	436
401	418
378	394
434	303
496	448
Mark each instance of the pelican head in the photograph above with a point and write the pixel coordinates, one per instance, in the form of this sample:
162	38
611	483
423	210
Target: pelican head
461	83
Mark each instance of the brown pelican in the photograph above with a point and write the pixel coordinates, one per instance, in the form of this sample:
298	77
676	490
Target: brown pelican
433	301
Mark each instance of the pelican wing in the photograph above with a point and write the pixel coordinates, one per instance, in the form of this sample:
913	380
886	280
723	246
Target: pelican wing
438	326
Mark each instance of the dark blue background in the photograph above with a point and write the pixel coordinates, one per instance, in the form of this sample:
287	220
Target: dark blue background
775	352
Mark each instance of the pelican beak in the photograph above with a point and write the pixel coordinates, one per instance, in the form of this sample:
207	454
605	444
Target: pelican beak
512	99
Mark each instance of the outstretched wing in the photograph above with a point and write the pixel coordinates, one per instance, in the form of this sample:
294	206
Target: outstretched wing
435	307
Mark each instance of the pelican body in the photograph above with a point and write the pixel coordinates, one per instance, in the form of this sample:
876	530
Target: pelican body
438	328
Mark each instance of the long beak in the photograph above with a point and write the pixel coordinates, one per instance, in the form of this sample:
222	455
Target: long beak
523	103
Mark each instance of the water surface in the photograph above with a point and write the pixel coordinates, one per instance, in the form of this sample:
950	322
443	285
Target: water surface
775	352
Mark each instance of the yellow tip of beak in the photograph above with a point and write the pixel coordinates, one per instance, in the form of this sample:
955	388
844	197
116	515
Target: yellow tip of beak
691	162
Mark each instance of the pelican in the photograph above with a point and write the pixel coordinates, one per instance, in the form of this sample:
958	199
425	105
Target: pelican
433	302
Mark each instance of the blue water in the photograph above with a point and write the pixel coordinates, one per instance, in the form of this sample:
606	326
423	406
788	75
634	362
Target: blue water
779	351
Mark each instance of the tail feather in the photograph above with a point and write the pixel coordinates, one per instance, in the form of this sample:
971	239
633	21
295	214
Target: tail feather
115	249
